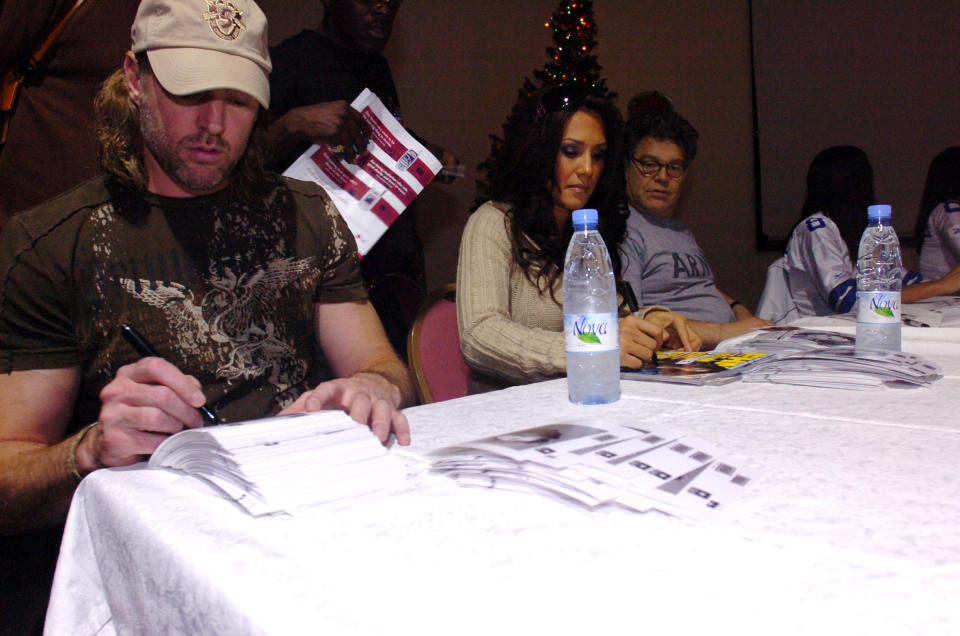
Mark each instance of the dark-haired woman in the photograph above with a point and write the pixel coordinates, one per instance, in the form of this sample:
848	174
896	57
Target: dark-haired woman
509	277
939	219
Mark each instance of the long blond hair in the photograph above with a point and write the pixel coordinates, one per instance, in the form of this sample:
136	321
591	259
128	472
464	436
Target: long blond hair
121	142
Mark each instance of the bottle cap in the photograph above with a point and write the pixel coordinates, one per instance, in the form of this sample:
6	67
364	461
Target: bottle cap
585	216
880	211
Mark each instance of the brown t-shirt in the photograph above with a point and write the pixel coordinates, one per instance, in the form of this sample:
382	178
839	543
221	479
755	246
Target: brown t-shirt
224	290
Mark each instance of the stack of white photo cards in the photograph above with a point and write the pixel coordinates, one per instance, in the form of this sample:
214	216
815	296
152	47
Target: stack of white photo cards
601	463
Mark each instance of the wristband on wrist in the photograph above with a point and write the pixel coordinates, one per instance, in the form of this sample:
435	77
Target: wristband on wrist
72	458
652	308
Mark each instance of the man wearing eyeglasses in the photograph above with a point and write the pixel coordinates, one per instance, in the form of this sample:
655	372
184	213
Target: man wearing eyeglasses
662	260
316	74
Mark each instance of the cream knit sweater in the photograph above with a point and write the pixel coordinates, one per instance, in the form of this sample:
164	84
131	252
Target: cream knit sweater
510	333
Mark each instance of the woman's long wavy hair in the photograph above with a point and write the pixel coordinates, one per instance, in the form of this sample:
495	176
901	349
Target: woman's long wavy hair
121	141
524	176
840	185
942	184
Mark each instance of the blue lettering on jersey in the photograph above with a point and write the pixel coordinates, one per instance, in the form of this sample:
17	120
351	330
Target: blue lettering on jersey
815	224
951	206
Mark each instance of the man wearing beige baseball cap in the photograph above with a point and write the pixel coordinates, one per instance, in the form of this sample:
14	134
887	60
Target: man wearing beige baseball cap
246	283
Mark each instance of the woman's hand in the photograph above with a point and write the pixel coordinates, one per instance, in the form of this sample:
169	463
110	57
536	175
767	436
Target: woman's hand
680	335
641	337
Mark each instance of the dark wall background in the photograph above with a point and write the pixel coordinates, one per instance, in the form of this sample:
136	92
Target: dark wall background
458	67
879	75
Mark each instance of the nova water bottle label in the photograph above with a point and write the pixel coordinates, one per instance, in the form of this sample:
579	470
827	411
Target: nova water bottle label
590	333
880	307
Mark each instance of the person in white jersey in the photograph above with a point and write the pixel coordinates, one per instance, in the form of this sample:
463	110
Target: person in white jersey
939	219
820	271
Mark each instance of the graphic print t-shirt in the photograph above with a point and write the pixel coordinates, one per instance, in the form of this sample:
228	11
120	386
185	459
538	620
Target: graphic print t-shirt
224	291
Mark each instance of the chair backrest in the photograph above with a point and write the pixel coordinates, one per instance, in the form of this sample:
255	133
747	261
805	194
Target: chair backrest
433	349
776	302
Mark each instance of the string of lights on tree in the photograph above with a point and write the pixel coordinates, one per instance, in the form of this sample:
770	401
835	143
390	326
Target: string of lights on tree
571	58
569	61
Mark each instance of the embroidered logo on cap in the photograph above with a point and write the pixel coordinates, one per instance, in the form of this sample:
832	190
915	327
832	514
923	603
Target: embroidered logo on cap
224	19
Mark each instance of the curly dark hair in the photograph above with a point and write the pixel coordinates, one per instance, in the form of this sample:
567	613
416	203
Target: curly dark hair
652	115
524	173
943	184
840	185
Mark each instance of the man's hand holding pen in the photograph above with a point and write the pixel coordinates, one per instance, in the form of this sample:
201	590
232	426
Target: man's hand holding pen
145	403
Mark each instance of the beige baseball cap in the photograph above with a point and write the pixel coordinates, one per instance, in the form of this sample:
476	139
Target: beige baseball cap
199	45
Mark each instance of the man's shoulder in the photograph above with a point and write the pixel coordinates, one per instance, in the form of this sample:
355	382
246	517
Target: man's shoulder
311	49
72	204
304	189
312	203
665	228
297	42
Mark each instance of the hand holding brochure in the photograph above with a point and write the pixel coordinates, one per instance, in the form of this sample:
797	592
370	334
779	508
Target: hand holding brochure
372	193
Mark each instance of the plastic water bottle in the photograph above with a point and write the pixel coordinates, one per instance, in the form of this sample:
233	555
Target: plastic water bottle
590	315
879	277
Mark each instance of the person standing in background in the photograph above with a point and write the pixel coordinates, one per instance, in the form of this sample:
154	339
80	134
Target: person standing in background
51	145
316	74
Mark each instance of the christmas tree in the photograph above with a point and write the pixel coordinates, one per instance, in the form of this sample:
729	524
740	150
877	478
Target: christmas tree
570	61
571	58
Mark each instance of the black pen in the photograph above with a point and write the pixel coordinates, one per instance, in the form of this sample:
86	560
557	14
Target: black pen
145	349
634	306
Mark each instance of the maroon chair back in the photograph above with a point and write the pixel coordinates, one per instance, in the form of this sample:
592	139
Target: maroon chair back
433	349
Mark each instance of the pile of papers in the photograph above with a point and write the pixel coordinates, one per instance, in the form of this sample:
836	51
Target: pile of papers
601	463
934	312
789	340
283	463
843	368
828	359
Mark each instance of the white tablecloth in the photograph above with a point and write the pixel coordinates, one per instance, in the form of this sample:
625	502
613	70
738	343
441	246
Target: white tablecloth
853	529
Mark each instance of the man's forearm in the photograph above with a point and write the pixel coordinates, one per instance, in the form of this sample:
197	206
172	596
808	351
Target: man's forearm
36	484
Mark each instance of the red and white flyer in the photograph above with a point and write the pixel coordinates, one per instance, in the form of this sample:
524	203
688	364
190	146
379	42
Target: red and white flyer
372	193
